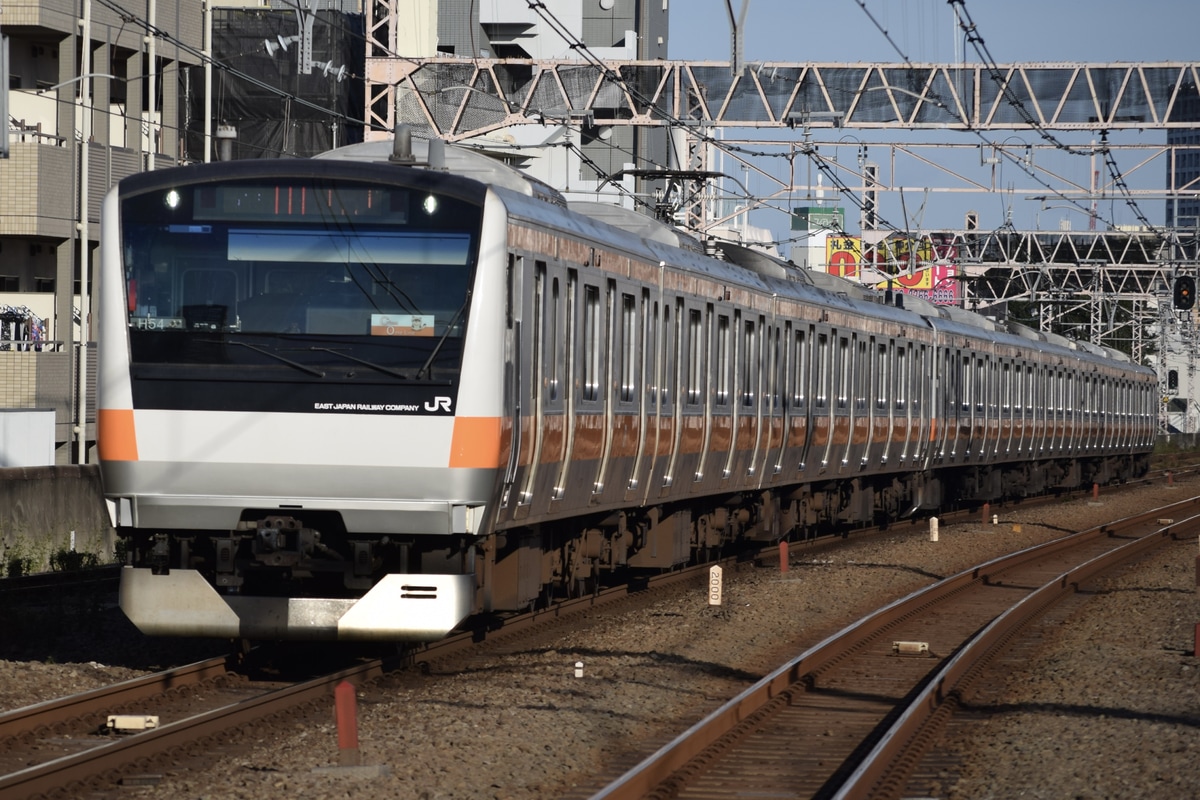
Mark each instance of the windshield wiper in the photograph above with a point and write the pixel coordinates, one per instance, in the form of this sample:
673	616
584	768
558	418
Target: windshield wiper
296	365
438	347
364	362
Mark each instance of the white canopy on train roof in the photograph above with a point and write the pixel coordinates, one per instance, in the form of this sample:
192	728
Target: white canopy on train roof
489	168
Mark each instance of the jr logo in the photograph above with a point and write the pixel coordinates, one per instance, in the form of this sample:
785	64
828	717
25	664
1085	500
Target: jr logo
438	404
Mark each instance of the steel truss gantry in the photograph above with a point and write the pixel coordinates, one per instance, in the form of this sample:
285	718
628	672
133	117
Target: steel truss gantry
458	98
1109	287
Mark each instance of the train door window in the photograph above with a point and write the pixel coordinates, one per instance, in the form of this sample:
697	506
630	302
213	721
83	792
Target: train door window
629	348
993	381
800	369
1006	389
883	374
540	366
694	380
981	388
723	361
918	378
671	325
645	370
749	363
554	358
777	362
592	342
1030	389
863	363
843	372
900	378
959	375
823	371
653	357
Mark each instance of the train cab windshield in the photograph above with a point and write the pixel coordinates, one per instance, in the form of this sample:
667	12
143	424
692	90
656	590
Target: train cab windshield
299	275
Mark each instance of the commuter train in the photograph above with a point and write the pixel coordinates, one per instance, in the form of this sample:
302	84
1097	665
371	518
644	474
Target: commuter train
368	395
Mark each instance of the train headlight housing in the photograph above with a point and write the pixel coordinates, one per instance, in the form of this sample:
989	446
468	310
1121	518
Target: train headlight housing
173	199
430	204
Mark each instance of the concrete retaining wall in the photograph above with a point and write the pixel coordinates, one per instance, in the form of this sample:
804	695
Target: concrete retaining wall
40	507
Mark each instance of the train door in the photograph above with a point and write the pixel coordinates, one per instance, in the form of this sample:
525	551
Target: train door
866	413
620	395
693	380
975	396
1004	445
770	426
952	403
884	420
901	414
764	357
803	379
992	410
720	424
1125	423
673	346
661	421
645	333
698	381
744	371
517	436
925	384
1041	412
525	449
1061	399
778	462
570	386
824	402
1054	411
843	420
1025	406
850	396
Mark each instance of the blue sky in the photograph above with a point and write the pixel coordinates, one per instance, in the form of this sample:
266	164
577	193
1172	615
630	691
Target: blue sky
924	31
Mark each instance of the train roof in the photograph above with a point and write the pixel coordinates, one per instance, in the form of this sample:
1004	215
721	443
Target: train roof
463	161
638	231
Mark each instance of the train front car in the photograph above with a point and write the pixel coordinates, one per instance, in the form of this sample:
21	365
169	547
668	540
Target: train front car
298	407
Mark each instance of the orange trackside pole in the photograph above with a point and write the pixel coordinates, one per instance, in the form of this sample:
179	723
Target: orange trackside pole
346	711
783	557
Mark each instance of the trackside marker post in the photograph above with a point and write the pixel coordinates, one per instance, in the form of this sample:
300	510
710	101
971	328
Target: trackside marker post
346	710
933	529
783	557
714	585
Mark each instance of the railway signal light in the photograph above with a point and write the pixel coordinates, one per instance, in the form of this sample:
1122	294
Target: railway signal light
1185	292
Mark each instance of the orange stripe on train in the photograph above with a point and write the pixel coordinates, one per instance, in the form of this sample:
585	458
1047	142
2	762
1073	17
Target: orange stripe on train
115	434
476	442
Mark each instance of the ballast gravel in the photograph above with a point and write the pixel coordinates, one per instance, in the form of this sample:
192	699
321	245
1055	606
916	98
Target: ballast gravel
1108	708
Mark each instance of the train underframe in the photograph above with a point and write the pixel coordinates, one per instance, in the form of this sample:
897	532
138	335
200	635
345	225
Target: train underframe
281	576
570	557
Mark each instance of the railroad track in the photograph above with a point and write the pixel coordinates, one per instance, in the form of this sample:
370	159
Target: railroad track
85	760
105	760
852	716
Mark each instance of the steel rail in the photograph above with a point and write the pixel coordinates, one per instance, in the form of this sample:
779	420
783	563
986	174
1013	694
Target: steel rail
668	763
41	715
884	770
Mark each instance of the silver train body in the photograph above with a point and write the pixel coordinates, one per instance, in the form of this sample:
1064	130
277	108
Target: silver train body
360	398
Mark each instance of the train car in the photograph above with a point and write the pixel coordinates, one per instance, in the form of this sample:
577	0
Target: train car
364	396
